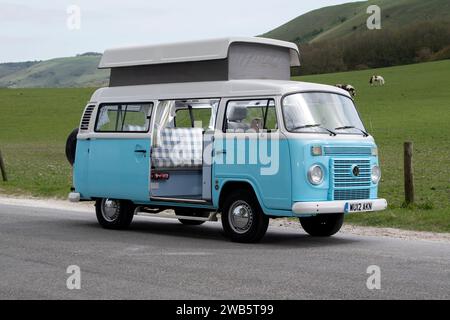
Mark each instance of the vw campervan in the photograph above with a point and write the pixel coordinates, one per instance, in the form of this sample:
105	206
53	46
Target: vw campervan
217	126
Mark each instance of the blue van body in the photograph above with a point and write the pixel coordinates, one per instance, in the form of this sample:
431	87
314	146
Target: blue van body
277	195
119	166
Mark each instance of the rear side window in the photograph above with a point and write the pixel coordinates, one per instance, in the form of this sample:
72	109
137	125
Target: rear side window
186	118
127	117
251	115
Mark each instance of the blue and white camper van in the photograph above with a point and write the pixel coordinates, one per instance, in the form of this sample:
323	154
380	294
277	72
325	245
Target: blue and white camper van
217	127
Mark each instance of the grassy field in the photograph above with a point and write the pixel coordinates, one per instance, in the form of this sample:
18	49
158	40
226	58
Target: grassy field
414	105
34	124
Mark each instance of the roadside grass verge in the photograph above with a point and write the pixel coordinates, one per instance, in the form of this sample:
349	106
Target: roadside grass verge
34	125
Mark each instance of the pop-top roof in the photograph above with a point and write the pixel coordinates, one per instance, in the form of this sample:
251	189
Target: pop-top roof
193	51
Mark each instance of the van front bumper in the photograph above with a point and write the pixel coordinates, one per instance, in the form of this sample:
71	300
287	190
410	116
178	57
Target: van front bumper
345	206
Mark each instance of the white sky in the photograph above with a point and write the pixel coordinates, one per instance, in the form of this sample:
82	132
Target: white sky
37	29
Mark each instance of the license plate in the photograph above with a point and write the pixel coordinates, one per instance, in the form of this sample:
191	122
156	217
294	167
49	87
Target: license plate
358	206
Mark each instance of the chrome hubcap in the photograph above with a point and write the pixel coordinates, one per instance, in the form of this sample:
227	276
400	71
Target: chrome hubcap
110	209
241	217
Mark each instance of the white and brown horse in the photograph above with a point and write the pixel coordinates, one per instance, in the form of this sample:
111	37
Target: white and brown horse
347	87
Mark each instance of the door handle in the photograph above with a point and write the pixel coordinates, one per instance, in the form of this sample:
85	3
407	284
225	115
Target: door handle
140	151
221	152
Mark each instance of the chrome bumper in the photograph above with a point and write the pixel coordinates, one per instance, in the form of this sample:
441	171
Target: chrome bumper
336	206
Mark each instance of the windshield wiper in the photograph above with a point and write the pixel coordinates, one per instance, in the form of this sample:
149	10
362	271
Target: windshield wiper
353	127
316	125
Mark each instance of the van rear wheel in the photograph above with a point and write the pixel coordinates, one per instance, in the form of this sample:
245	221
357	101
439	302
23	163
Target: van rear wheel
322	225
242	217
71	146
114	214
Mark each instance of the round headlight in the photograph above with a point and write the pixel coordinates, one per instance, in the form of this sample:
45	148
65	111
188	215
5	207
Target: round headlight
376	174
315	174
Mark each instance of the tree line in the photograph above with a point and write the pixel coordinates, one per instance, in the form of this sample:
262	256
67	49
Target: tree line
421	42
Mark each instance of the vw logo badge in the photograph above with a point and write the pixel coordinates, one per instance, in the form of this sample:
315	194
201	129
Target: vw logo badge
355	171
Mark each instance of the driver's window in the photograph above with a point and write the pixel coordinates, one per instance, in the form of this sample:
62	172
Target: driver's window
251	116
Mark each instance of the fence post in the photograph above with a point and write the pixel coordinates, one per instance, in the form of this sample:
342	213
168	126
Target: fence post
2	167
409	172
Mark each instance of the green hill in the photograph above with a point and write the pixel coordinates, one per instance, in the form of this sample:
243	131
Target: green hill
12	67
350	19
79	71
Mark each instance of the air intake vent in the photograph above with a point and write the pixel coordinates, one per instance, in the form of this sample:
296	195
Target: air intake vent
346	184
338	151
86	118
352	194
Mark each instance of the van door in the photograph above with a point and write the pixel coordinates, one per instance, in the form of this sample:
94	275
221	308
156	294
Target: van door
181	149
119	152
249	147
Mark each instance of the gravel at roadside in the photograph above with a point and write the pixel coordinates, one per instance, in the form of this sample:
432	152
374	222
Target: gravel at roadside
374	231
282	222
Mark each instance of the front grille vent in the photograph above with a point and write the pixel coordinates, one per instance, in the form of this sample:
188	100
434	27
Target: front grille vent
351	194
348	186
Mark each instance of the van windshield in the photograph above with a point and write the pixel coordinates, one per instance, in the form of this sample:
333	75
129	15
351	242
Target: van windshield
321	112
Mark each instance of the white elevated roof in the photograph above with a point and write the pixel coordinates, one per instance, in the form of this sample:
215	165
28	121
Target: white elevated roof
202	50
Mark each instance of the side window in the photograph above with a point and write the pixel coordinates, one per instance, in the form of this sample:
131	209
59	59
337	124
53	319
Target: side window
198	117
251	115
130	117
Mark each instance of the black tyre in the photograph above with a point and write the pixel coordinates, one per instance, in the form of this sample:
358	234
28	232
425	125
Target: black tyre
323	225
114	214
193	213
71	146
242	217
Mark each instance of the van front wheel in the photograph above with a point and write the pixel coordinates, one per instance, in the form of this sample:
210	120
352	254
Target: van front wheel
242	217
322	225
114	214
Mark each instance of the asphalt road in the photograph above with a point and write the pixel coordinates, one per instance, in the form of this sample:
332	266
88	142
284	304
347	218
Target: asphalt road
162	259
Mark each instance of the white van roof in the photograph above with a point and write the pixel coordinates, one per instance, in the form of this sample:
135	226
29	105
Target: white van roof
213	49
212	89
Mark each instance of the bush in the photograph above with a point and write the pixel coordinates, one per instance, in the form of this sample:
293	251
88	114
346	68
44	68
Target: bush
441	54
361	67
423	54
421	42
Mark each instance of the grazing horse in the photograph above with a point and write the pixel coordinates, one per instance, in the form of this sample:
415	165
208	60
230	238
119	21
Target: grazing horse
347	87
374	80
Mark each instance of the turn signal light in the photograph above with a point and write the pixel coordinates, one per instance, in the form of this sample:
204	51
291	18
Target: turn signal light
316	150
